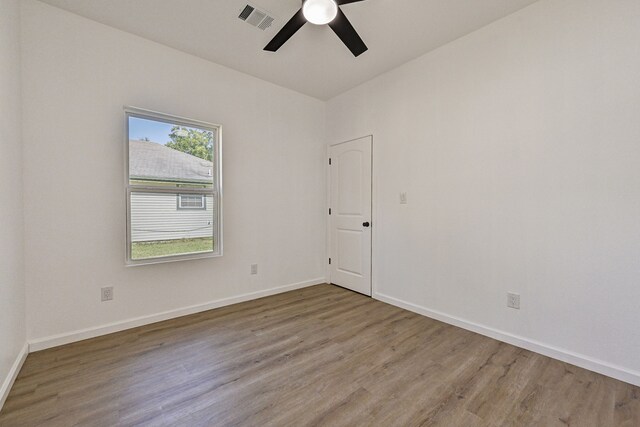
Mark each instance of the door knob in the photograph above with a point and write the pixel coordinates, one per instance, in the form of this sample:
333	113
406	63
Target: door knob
365	224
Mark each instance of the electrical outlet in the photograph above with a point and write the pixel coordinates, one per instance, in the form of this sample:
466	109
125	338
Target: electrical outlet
513	300
403	198
106	293
254	268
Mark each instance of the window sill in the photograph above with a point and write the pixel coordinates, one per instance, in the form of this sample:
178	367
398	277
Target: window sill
174	258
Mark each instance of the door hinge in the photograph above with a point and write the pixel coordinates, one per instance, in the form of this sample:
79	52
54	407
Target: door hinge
329	161
329	261
329	211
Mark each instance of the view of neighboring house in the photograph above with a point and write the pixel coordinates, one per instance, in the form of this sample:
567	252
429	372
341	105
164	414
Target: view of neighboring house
158	216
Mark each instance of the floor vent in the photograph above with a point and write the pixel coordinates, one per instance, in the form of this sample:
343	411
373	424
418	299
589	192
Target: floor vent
256	17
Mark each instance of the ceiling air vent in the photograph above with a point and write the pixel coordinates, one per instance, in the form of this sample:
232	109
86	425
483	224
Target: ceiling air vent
256	17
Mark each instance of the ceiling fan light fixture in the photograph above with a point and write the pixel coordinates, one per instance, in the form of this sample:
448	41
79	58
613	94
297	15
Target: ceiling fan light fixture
320	12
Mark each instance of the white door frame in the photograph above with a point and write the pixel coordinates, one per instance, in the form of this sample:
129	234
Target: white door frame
328	206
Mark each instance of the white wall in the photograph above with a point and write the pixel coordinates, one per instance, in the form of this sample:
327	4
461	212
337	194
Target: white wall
12	298
77	76
519	147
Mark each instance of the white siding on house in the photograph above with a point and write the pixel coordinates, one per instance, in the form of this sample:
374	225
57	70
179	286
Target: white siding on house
155	216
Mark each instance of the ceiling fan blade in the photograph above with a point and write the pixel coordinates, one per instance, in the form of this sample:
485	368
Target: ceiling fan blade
289	29
341	2
343	28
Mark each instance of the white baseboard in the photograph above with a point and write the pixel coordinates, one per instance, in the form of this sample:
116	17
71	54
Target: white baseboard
13	373
582	361
83	334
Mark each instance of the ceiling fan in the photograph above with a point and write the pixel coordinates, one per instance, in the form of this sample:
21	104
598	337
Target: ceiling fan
321	12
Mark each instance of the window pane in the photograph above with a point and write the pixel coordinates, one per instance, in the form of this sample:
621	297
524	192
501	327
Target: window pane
170	154
159	228
173	169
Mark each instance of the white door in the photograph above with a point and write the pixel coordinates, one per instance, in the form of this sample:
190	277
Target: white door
350	214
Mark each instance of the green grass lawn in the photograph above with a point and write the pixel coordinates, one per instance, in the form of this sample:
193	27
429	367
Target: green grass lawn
144	250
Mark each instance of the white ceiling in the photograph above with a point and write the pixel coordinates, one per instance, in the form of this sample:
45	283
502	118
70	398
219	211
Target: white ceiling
314	61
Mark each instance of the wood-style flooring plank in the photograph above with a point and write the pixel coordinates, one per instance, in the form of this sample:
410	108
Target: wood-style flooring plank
312	357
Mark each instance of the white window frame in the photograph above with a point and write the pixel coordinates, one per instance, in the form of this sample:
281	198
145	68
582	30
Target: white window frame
215	191
203	202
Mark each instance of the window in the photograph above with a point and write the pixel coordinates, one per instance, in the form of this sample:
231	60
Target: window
192	201
174	188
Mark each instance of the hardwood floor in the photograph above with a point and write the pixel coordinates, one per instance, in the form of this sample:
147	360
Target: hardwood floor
316	356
